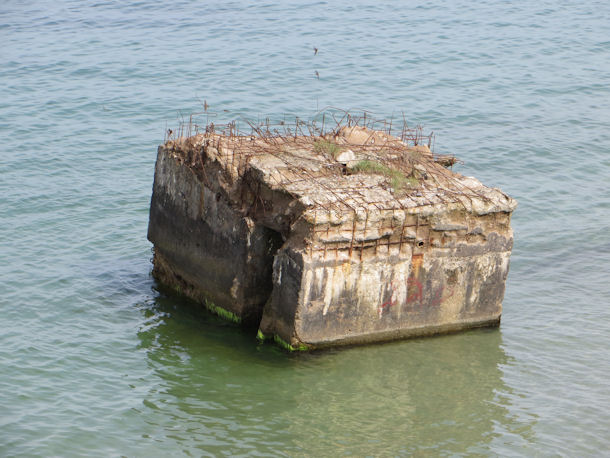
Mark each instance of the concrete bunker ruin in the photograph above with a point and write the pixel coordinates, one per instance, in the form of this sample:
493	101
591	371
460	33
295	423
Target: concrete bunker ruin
323	238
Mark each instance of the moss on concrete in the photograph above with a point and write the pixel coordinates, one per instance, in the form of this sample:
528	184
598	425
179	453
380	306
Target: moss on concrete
397	178
324	146
222	313
286	346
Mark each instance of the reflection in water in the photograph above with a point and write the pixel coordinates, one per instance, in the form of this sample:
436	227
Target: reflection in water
219	391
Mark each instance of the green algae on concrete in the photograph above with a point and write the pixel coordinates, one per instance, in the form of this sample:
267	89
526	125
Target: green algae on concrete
281	342
222	313
286	346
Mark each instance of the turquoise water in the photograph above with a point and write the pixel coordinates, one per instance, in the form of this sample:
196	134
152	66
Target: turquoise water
95	360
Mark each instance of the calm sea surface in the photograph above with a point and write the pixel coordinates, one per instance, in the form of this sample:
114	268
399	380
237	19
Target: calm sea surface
94	360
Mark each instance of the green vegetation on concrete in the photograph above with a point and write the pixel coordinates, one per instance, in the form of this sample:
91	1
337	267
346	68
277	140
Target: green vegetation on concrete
323	146
398	180
222	313
285	345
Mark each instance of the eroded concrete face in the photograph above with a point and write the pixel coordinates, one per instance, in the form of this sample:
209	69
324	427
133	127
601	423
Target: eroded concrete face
389	290
281	236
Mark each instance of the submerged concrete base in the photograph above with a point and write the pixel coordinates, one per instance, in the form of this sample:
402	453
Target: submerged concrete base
264	255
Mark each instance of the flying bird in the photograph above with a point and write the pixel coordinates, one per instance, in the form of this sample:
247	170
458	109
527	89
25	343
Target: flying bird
317	75
315	50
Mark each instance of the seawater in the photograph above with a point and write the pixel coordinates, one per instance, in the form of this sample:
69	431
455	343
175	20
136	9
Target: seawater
96	360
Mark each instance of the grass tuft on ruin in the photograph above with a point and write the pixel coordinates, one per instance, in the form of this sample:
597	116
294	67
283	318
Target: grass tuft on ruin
324	146
398	180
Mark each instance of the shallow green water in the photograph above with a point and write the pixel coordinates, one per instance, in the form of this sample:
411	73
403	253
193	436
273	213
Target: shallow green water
94	360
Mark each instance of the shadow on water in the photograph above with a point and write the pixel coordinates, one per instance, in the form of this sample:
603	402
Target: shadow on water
218	391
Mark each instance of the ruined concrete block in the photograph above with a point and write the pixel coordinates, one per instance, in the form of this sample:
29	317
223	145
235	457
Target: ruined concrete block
350	238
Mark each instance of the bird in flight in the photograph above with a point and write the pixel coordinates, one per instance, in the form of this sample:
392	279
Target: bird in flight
315	50
317	75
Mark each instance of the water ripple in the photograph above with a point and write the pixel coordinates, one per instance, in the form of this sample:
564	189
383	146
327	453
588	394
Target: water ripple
96	361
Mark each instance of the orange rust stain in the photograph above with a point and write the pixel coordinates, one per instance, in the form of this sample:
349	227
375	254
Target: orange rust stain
416	262
346	267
